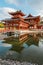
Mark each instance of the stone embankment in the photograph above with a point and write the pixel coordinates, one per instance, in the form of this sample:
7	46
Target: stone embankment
2	36
12	62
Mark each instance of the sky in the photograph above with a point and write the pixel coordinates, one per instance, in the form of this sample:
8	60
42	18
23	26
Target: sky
34	7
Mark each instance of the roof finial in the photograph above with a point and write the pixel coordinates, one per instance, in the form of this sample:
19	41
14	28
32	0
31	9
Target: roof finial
30	15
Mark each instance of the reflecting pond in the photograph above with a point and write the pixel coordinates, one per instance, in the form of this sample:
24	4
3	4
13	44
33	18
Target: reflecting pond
30	50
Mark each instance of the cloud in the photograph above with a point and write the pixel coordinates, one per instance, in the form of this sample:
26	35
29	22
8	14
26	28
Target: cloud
4	12
40	12
36	5
16	2
11	2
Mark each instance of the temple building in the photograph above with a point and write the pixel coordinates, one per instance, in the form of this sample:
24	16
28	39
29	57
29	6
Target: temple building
40	25
33	21
16	22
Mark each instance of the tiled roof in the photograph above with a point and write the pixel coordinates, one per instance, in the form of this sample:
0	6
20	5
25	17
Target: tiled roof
17	12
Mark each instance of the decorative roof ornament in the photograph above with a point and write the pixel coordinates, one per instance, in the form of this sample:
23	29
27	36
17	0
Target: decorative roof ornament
29	15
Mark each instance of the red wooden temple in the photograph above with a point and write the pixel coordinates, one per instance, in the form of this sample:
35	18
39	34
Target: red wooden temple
16	22
33	21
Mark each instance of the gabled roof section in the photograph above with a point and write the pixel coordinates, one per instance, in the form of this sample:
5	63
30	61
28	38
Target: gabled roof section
17	12
32	17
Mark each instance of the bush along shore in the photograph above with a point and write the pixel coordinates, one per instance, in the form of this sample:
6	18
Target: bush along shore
12	62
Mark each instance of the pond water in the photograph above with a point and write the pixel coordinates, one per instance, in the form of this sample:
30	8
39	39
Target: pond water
4	48
31	50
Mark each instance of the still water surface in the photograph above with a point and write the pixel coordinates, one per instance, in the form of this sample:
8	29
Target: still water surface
29	51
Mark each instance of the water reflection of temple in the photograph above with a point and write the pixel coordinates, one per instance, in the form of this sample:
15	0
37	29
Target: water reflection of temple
19	46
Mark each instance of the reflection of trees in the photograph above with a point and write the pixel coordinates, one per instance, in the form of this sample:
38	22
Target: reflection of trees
10	40
16	45
32	40
17	48
40	35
